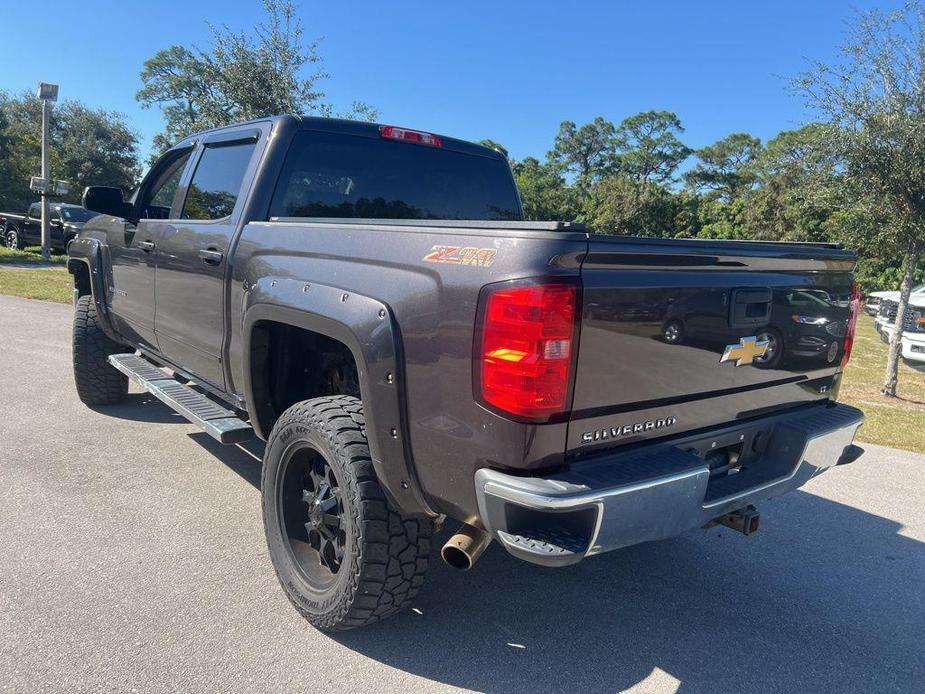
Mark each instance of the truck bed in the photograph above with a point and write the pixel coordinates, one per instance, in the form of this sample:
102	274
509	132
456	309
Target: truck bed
626	374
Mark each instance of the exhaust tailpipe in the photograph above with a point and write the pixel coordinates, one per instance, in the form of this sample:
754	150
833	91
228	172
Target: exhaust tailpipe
465	547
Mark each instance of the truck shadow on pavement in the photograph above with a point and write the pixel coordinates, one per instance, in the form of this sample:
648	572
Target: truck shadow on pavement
244	459
828	596
824	596
142	407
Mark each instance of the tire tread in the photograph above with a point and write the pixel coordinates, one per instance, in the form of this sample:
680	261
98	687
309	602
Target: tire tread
98	382
388	569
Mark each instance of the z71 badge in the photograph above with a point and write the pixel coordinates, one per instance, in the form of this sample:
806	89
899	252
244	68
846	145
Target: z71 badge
458	255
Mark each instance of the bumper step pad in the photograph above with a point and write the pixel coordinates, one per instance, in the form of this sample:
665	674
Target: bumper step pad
556	545
220	423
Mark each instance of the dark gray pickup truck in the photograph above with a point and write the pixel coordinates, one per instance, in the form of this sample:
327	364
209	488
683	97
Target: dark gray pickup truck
368	300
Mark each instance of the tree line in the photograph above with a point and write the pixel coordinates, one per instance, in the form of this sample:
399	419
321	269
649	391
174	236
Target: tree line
88	146
638	177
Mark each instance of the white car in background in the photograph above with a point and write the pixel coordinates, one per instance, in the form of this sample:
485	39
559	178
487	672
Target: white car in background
913	335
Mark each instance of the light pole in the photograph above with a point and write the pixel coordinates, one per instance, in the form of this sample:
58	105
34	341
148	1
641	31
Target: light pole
47	93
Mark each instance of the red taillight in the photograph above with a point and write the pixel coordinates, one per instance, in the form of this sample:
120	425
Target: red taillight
416	136
852	323
527	349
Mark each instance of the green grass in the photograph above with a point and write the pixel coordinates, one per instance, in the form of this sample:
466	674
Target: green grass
897	422
30	256
52	284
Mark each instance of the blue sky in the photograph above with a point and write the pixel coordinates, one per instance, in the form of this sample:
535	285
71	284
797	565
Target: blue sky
506	70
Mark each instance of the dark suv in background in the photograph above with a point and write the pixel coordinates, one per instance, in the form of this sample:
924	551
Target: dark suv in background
800	324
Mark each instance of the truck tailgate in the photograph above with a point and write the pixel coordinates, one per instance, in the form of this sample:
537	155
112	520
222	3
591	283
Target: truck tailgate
681	335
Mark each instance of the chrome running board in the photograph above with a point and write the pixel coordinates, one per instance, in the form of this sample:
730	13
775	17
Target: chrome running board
220	423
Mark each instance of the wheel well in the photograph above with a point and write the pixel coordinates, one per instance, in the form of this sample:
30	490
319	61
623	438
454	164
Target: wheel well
290	364
81	274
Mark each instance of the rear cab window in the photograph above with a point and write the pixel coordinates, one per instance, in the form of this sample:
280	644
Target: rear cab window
351	176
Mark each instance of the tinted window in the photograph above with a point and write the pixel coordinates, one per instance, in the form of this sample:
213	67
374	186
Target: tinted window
217	181
158	198
807	299
77	214
35	210
327	175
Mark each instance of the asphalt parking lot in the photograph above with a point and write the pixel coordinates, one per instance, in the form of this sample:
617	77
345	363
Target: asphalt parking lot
132	558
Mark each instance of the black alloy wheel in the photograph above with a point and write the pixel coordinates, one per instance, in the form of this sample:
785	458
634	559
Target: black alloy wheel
311	511
773	353
673	332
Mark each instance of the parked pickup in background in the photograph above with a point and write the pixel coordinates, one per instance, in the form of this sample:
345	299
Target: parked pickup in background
19	231
368	299
912	339
874	299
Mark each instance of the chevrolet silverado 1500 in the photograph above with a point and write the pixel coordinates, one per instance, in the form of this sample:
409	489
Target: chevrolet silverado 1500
368	300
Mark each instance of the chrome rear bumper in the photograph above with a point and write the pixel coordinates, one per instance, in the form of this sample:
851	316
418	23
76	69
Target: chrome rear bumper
656	492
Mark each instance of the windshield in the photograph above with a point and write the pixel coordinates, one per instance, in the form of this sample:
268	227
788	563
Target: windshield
77	214
808	299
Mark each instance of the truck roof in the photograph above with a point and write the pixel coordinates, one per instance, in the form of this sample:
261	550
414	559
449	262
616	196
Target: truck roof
348	127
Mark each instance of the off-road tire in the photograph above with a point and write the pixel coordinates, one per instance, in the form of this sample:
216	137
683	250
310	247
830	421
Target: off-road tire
98	383
385	554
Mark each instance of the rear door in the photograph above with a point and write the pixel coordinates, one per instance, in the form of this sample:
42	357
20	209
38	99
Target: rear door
193	253
55	225
680	335
32	225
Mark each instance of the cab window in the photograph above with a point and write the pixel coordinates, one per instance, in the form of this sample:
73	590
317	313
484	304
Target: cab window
217	181
157	198
35	210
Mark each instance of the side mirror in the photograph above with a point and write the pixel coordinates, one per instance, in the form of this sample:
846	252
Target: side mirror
106	200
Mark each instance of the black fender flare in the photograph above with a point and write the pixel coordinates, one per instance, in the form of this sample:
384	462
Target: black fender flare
92	253
369	330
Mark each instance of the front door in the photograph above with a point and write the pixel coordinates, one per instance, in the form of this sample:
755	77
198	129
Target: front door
193	256
133	248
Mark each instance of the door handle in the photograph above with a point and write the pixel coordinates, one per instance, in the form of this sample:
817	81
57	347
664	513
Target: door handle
146	246
210	256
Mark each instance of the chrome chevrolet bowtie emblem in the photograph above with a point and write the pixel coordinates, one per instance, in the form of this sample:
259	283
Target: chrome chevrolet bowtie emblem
746	351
